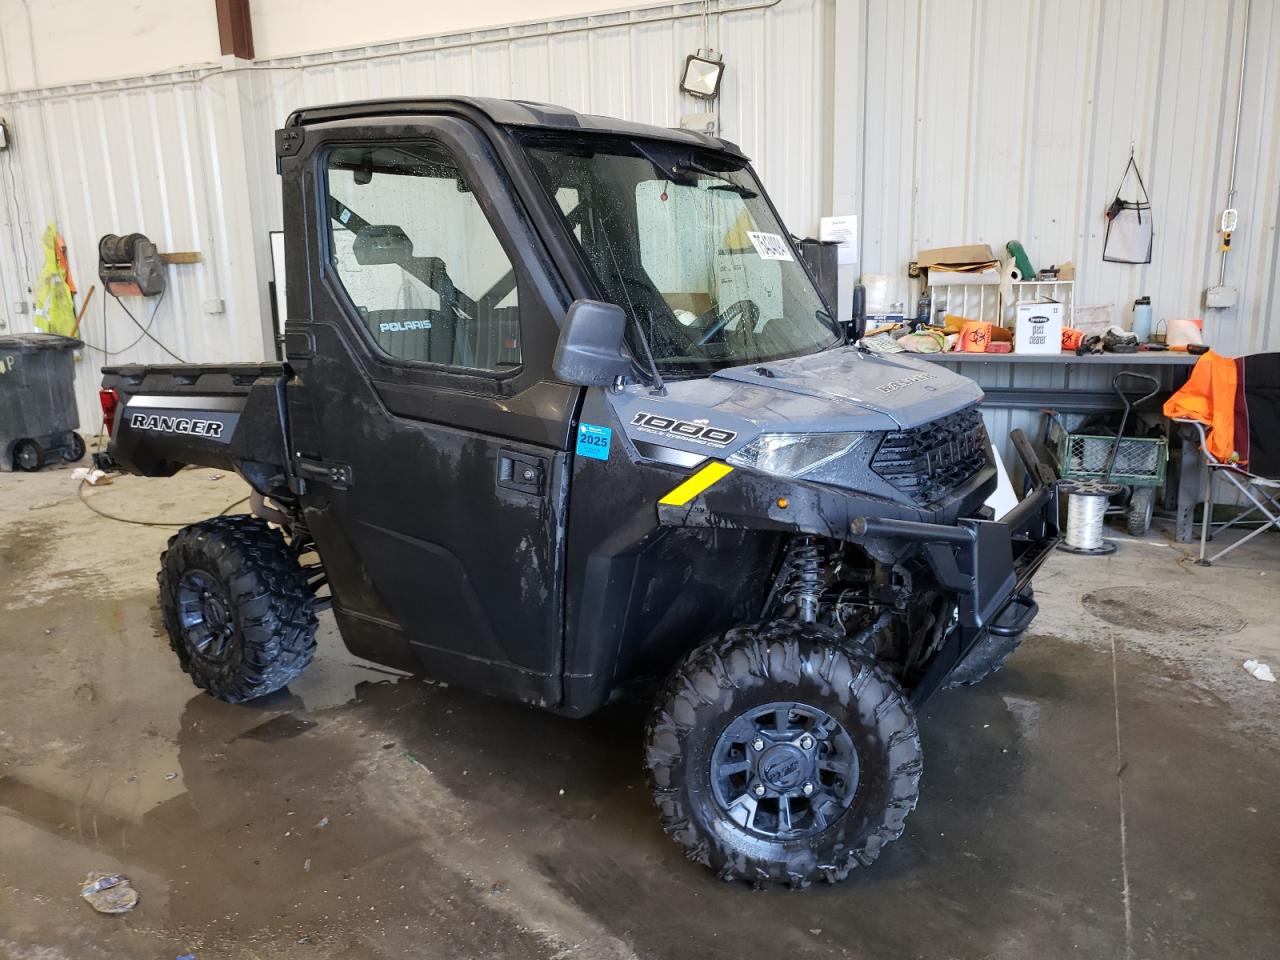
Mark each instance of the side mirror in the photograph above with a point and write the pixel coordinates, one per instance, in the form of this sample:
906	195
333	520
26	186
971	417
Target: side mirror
858	320
589	352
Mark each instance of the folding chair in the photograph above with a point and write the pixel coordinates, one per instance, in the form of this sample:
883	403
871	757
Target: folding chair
1257	441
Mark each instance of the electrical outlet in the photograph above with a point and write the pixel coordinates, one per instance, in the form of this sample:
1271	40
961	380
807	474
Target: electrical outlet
215	306
1219	298
19	306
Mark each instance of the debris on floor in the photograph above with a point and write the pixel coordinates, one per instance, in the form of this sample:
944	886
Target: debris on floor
1260	670
109	892
94	476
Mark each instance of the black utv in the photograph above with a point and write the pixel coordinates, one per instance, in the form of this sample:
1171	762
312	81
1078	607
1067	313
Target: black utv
563	417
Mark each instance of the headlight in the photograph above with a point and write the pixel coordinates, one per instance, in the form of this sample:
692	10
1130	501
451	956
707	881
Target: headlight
794	454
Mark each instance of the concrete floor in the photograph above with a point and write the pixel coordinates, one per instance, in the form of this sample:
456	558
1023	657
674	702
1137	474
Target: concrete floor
1111	793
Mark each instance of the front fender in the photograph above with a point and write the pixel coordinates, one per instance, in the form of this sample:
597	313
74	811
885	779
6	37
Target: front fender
746	499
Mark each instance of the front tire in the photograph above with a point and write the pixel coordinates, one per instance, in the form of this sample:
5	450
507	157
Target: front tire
987	657
237	607
776	755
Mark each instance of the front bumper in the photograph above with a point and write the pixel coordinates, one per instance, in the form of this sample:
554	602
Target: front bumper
984	562
988	564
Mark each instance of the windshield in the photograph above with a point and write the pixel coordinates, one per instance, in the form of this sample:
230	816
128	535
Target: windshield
683	239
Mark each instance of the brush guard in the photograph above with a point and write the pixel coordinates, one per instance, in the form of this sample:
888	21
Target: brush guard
986	564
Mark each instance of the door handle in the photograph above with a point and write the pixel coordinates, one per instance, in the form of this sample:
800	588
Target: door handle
329	472
522	472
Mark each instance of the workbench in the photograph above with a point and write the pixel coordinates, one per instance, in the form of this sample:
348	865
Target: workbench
1019	387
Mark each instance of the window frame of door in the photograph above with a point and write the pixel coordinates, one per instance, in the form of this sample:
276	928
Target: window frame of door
538	302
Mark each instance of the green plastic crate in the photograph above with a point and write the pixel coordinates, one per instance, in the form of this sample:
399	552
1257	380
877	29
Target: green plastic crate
1140	461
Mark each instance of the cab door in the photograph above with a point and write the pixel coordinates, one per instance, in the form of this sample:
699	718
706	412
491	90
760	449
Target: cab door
431	439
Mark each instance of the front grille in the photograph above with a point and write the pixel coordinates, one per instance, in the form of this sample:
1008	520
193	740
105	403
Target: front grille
927	463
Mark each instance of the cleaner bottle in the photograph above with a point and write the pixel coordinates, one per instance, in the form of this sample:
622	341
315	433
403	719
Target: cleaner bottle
923	311
1142	319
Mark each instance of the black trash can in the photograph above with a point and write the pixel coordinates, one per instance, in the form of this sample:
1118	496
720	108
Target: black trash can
38	416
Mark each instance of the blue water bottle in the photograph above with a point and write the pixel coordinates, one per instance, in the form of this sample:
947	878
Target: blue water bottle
1142	319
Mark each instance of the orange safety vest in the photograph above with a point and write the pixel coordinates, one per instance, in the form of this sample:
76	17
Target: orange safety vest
1209	395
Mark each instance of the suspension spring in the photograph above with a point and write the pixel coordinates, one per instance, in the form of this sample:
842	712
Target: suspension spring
806	577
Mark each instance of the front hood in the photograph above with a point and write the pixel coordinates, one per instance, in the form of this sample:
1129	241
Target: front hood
837	390
906	390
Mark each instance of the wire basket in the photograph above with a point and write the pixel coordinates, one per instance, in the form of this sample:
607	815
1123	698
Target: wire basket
1140	461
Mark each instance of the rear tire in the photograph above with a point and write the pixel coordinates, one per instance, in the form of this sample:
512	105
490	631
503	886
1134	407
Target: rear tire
237	607
809	721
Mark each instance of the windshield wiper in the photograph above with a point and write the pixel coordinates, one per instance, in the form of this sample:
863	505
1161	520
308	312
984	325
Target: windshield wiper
658	386
673	173
746	193
668	172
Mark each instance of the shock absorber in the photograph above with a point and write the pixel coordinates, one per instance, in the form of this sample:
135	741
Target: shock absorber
806	577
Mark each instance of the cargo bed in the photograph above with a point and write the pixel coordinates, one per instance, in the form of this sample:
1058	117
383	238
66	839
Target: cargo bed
225	415
218	379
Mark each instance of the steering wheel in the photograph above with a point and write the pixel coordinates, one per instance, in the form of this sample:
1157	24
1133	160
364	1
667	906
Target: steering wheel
746	310
647	300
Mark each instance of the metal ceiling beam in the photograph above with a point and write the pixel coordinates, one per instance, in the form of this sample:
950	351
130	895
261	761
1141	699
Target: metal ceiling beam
235	29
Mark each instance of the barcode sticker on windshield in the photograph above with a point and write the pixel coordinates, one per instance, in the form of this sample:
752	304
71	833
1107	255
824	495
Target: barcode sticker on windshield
770	246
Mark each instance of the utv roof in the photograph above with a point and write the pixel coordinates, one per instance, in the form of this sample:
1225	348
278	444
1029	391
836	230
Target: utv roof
506	113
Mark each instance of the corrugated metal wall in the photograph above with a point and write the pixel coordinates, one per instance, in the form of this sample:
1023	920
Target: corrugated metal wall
773	102
986	121
188	158
975	120
119	158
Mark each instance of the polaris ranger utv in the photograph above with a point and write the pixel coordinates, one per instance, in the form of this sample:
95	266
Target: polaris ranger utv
564	417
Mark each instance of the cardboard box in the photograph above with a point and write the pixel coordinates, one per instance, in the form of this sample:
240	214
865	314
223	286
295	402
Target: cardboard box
970	264
945	276
1038	328
967	255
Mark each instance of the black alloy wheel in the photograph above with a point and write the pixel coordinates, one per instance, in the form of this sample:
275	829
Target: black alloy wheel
204	612
784	770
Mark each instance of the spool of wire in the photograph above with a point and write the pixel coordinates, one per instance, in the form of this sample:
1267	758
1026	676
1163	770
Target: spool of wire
1086	509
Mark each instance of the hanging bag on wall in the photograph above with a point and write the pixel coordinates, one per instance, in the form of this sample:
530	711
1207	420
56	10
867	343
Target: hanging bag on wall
1129	225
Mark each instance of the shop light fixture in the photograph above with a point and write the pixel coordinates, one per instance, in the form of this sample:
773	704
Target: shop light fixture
703	72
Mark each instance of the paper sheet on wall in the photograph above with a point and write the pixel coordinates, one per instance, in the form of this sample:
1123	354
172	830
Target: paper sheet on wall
844	231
